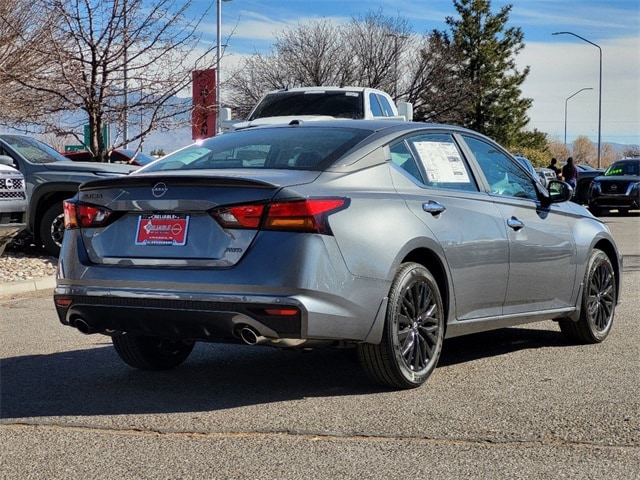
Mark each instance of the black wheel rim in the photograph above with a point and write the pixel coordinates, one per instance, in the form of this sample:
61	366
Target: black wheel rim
418	327
601	299
57	229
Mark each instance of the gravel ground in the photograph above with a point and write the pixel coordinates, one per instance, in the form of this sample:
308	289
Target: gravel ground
26	264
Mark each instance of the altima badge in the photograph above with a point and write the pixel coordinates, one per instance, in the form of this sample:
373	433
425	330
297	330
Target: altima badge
159	189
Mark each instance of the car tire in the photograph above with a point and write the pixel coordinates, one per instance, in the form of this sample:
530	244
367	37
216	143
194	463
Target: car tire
151	353
52	229
598	302
623	211
413	332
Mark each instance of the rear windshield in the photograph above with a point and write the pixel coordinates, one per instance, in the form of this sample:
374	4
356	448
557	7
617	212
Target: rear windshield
624	168
335	104
291	148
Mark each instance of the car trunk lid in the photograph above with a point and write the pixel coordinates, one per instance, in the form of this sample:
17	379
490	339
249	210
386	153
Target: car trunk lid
168	220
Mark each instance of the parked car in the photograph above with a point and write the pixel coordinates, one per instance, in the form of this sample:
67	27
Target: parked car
50	178
118	155
383	236
13	202
323	103
618	188
586	173
546	175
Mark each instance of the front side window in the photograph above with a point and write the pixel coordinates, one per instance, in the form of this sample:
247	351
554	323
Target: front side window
503	174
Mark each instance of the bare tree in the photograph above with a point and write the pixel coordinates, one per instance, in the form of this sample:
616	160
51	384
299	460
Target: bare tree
583	150
22	26
609	155
378	43
108	61
311	54
435	87
314	54
631	151
372	50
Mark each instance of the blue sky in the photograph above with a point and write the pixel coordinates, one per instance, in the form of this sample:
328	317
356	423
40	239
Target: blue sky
560	65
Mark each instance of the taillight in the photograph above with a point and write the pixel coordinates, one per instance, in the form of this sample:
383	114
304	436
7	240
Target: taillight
78	215
303	215
308	215
240	216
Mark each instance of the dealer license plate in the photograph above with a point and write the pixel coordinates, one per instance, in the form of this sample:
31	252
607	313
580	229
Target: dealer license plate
162	229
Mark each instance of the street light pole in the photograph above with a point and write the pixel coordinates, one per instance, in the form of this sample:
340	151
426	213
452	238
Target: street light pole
218	54
599	90
395	37
565	112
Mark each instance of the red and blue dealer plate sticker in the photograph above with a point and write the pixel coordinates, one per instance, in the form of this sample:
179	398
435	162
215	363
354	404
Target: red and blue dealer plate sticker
162	229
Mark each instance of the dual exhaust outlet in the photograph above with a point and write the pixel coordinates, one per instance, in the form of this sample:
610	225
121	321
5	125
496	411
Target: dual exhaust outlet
247	334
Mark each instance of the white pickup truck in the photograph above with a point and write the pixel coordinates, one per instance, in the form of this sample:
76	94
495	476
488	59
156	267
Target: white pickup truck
322	103
13	202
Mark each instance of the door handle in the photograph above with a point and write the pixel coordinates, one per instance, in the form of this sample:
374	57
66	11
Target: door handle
434	208
514	223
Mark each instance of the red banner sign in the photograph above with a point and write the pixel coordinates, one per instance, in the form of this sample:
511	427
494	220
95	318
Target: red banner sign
203	115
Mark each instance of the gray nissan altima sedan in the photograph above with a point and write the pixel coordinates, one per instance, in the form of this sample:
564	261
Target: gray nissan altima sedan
384	236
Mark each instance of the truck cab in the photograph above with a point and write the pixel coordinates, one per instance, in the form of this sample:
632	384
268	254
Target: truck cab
323	103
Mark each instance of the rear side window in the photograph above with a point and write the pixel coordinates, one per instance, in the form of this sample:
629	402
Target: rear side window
376	108
402	157
442	161
386	106
291	148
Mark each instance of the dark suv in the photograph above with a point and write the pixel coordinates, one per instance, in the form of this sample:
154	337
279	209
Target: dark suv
50	178
618	188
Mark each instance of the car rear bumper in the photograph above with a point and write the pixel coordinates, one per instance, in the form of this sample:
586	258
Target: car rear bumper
280	320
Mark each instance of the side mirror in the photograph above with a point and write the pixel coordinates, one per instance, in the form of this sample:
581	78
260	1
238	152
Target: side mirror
406	110
6	160
559	191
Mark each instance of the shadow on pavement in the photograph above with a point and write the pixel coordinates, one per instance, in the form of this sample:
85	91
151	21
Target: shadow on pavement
215	377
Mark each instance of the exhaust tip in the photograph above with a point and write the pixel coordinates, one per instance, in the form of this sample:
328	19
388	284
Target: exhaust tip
82	326
249	336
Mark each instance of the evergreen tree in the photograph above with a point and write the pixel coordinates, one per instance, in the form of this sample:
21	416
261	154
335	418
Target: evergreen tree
488	48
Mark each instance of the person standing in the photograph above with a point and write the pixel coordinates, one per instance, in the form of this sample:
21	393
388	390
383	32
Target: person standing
570	173
553	166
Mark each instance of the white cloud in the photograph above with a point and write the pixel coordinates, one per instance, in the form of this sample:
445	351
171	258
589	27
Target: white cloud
558	70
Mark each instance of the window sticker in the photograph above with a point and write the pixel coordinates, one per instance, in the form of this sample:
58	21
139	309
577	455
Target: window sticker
442	162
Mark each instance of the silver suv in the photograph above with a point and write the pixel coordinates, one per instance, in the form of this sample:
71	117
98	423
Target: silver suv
13	202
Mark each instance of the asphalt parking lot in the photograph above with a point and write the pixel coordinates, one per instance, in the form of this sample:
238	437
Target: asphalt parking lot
515	403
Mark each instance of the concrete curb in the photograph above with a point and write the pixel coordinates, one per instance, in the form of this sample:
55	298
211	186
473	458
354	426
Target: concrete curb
44	283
